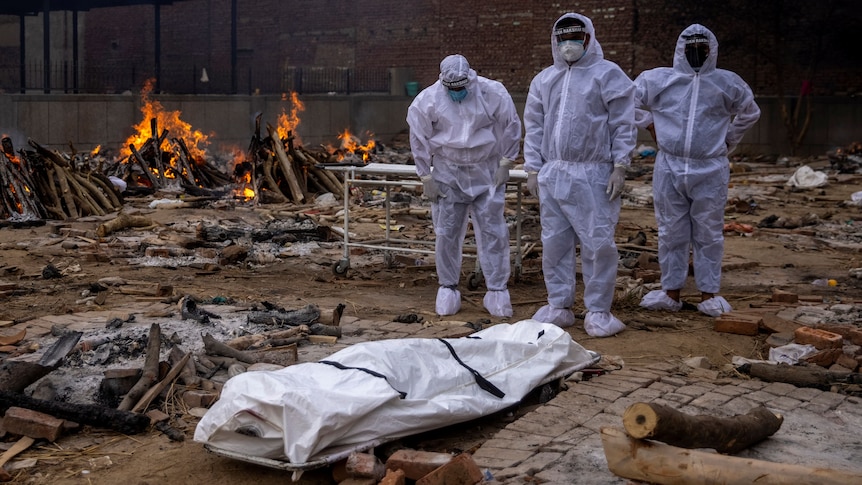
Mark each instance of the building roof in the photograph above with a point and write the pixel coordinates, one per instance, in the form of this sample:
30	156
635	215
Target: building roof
19	7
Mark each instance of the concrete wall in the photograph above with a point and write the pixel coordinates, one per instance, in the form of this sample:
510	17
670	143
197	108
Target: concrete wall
108	120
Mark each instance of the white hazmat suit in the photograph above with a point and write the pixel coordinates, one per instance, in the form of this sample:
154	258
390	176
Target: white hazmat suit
580	132
699	117
470	144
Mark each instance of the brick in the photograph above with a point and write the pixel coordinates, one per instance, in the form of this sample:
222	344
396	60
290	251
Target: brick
784	403
820	339
199	399
847	361
780	388
461	470
779	296
855	336
393	477
824	358
841	329
738	323
26	422
492	457
416	464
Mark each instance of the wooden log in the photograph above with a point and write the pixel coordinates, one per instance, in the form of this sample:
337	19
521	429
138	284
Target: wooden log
658	463
246	341
724	435
150	374
154	391
122	221
800	376
145	167
22	444
270	183
188	375
296	193
214	347
305	316
87	414
17	375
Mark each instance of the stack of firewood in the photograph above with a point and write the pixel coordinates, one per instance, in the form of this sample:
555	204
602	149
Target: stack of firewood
281	171
150	167
45	184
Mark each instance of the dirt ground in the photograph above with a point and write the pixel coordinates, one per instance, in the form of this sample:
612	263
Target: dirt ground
757	263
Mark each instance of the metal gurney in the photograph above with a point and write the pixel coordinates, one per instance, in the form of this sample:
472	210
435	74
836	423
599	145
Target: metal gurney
405	175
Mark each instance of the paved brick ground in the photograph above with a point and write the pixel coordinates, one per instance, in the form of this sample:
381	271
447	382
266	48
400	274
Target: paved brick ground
559	443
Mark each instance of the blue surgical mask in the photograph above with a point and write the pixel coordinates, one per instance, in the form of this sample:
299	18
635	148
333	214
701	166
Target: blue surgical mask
457	96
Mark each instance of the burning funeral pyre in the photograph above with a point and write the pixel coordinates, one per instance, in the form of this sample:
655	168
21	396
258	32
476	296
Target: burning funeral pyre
166	154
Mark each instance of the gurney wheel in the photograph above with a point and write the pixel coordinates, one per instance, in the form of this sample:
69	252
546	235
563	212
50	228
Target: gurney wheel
339	268
474	282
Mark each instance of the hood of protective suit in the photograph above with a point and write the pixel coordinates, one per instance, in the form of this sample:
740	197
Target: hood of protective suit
593	52
454	68
680	63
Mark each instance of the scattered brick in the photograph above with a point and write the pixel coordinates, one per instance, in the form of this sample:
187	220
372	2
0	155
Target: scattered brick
416	464
855	336
199	399
738	323
824	358
393	477
779	296
461	470
847	361
820	339
26	422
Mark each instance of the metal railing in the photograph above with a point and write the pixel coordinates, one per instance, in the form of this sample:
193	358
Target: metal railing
185	79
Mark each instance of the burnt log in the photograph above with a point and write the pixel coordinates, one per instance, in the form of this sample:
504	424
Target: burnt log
800	376
17	375
304	316
214	347
86	414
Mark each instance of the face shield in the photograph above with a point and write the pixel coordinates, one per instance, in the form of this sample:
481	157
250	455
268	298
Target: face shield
571	41
696	50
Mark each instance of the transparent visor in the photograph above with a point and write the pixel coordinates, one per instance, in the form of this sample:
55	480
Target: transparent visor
460	83
696	51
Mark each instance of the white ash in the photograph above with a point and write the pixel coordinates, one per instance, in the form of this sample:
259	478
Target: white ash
78	378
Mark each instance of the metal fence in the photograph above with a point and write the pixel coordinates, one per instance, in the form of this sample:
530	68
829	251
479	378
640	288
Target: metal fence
185	79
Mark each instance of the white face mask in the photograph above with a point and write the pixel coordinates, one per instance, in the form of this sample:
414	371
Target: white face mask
571	50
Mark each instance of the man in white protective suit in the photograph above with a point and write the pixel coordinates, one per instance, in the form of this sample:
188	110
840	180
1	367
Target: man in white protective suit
697	114
580	133
466	128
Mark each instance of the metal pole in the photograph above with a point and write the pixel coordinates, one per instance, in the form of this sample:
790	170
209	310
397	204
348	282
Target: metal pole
158	46
46	46
22	40
75	51
233	75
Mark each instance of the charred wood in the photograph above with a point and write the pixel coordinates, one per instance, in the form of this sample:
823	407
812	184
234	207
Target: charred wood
86	414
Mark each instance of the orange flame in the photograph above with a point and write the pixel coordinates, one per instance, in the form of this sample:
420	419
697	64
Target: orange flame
288	123
96	150
351	144
165	120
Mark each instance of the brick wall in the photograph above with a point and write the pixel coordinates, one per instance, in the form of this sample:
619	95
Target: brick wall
506	40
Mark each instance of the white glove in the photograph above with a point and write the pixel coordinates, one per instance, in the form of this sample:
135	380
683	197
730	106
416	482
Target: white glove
616	182
533	183
502	174
430	189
